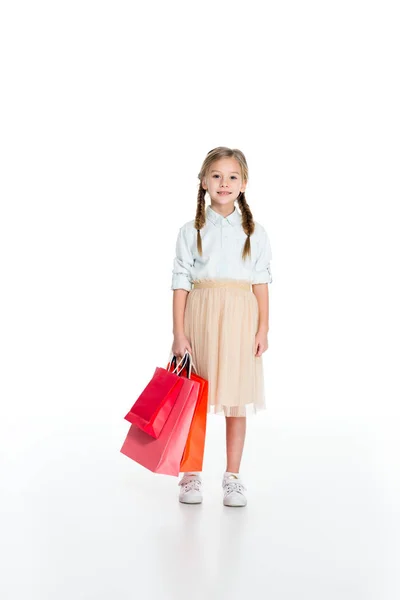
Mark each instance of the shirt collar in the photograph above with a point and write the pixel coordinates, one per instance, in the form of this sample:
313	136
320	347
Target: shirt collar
233	219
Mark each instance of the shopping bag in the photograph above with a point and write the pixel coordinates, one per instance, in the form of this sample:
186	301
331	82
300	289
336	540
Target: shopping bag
193	454
163	454
154	405
192	459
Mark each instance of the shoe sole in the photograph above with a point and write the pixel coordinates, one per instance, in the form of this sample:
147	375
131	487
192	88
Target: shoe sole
231	502
191	501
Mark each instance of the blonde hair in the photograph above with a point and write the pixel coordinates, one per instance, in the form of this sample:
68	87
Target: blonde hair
247	217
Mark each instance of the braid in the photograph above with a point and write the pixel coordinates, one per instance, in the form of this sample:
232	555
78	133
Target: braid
200	219
247	223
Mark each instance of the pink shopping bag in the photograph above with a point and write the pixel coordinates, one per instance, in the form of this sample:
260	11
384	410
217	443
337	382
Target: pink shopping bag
163	454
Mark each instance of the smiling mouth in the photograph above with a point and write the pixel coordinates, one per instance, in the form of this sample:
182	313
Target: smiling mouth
224	193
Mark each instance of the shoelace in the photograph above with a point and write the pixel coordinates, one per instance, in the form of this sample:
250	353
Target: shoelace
233	486
190	483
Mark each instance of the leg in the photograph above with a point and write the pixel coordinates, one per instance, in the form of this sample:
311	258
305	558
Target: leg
235	436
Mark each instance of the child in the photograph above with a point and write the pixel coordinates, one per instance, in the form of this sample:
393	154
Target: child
220	280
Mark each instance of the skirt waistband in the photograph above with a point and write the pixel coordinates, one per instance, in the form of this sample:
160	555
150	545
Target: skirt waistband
222	283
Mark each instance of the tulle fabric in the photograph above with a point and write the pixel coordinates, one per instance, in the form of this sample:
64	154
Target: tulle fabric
220	322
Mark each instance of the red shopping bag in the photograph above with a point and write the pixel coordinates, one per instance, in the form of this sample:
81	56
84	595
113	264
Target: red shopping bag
163	454
193	454
154	405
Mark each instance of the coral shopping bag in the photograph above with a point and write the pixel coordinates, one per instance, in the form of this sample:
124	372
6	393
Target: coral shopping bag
163	455
152	408
192	459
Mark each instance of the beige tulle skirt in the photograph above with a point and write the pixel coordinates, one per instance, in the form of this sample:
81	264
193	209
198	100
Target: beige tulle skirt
220	322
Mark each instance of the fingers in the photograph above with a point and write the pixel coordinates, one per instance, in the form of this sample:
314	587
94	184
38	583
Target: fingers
261	349
179	355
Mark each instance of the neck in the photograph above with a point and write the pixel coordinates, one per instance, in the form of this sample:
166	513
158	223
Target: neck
225	210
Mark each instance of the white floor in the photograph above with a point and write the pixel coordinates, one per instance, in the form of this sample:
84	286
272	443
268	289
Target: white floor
82	521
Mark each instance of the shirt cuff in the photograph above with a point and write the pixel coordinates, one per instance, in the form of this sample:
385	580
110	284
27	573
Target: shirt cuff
181	282
262	277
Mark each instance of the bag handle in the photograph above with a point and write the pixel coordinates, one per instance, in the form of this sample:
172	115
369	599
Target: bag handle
188	364
173	360
180	367
185	362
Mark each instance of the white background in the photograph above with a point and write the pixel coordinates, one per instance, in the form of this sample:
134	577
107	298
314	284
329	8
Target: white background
107	112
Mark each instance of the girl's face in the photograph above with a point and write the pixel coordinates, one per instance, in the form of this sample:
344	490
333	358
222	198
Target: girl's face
224	176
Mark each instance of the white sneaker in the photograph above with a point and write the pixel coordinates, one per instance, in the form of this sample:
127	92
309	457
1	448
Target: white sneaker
233	491
190	489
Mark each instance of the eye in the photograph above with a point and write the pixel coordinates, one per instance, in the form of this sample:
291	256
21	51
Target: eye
234	176
215	175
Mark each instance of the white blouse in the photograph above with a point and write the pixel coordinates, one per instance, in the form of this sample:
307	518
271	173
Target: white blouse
223	239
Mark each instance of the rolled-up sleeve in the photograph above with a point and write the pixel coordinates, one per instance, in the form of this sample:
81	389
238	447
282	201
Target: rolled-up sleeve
262	268
183	263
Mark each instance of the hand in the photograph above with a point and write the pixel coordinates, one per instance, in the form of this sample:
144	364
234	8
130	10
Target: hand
261	342
180	345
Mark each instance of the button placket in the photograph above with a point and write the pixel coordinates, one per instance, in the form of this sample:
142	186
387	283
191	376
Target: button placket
225	228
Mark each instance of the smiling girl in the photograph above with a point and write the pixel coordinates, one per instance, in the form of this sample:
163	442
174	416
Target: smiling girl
220	280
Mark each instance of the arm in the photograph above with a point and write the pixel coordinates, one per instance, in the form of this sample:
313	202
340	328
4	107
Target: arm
261	292
181	285
180	343
178	311
183	264
261	278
